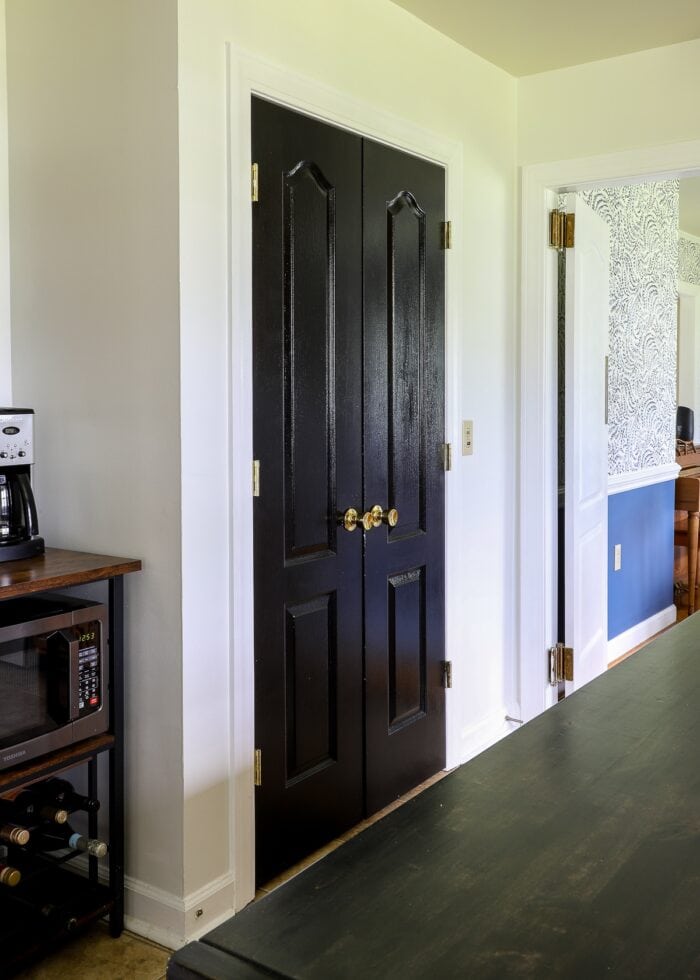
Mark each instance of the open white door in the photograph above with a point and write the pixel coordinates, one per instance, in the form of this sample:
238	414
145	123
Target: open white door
586	450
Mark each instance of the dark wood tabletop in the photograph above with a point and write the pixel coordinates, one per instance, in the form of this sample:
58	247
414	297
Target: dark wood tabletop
569	849
58	569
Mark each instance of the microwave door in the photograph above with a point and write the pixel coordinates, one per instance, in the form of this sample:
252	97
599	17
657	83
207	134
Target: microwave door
28	504
62	652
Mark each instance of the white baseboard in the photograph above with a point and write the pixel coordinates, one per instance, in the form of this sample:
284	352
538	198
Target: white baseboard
484	734
642	631
171	921
166	919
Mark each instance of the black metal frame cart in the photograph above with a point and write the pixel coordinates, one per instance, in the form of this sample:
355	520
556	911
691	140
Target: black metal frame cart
56	899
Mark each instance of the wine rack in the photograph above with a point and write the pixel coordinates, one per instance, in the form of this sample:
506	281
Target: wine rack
62	892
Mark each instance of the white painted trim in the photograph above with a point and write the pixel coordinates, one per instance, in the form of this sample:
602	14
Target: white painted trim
691	238
485	733
643	631
537	569
622	482
172	921
249	75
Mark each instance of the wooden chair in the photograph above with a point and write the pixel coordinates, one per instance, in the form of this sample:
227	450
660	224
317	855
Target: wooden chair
688	501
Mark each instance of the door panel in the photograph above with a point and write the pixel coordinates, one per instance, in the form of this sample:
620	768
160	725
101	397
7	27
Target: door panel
308	574
403	211
309	346
586	445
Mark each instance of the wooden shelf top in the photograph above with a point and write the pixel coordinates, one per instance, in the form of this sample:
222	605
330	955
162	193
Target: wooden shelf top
59	569
45	765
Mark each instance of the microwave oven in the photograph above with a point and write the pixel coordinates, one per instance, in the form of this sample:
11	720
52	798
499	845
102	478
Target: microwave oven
54	675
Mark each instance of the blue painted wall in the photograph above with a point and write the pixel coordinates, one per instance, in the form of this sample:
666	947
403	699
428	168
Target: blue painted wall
642	522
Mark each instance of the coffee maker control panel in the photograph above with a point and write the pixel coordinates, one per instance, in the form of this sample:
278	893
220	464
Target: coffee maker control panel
16	437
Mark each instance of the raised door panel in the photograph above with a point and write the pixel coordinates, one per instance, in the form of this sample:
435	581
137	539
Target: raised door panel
405	324
309	355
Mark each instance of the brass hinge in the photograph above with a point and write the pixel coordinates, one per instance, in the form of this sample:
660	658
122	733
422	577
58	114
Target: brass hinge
447	456
446	234
561	229
446	673
561	664
257	768
254	185
256	477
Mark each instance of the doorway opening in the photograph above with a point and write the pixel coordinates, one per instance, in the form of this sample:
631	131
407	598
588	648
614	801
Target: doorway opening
539	496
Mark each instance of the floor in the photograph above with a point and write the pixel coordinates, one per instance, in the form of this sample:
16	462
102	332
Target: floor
96	956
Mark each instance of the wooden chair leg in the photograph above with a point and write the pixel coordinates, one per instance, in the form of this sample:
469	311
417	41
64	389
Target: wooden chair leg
693	525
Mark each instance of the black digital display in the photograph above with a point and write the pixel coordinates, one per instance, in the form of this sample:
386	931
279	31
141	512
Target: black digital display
10	430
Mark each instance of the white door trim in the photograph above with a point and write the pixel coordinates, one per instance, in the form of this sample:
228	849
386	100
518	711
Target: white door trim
538	502
248	76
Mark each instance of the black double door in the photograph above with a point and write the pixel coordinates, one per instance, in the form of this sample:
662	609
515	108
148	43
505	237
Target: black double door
348	361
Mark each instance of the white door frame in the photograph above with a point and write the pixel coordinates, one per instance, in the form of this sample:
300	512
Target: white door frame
248	76
538	387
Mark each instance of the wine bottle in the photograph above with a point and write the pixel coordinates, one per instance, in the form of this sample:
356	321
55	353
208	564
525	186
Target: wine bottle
9	876
29	808
50	837
47	911
13	833
62	793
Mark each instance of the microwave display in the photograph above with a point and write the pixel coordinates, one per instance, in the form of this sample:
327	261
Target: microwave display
52	675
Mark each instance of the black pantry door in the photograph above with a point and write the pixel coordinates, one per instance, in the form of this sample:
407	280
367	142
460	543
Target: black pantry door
348	365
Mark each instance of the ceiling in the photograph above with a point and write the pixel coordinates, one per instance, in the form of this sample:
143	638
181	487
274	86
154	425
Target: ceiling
529	36
689	217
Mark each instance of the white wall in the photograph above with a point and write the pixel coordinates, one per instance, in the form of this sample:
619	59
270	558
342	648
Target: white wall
95	347
637	100
5	331
382	57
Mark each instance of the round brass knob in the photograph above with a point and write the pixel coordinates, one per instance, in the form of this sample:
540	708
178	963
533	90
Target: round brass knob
349	519
379	516
352	519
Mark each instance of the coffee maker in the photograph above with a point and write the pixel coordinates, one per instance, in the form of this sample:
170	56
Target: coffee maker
19	531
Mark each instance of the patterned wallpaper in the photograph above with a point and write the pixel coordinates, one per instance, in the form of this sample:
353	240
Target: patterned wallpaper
689	260
643	220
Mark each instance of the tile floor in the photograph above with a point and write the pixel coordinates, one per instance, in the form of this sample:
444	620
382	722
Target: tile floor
96	956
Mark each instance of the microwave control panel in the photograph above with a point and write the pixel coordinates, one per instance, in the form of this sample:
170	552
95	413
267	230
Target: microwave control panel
89	680
16	438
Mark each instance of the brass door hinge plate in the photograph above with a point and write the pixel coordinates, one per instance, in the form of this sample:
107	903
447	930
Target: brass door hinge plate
561	229
257	768
446	234
256	477
447	456
446	673
561	664
254	183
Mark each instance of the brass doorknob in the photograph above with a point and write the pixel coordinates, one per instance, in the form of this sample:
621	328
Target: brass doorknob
351	519
379	516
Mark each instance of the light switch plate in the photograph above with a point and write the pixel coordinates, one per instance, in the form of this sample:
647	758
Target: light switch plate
617	564
467	438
